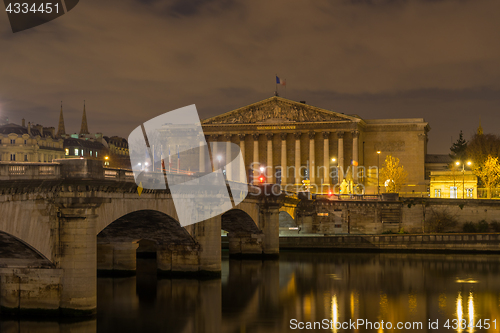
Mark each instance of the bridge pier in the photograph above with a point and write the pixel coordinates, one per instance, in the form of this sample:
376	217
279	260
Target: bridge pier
270	224
77	257
117	258
30	290
245	244
202	258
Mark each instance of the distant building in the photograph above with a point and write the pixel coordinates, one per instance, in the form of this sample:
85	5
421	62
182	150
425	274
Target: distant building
453	184
296	143
20	143
85	148
83	144
118	152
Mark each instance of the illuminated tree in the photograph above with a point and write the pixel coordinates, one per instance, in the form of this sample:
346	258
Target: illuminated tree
481	146
393	174
489	173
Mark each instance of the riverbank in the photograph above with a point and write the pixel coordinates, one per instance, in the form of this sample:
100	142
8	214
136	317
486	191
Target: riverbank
469	243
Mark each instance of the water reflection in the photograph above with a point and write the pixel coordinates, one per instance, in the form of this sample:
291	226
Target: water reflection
263	296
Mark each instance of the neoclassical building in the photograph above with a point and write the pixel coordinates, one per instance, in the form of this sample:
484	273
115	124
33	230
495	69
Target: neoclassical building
296	143
32	143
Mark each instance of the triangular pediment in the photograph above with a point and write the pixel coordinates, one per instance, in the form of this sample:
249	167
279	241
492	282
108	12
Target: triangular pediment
278	110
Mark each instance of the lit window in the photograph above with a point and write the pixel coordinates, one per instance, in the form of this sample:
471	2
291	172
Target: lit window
470	192
437	193
95	154
66	151
453	192
91	153
76	152
81	152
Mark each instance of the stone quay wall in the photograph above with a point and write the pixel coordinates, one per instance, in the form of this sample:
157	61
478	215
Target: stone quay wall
412	243
324	216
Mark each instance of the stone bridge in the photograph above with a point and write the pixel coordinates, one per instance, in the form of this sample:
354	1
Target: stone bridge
62	221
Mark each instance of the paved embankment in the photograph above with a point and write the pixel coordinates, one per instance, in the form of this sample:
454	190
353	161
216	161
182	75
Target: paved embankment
405	242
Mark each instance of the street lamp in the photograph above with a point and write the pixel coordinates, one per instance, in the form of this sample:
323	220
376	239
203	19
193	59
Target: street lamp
469	163
378	172
219	158
333	161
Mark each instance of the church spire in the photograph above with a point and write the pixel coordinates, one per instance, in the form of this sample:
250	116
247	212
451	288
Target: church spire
84	129
61	130
480	128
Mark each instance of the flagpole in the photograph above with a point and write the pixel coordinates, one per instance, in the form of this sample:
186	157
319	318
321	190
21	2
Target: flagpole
276	85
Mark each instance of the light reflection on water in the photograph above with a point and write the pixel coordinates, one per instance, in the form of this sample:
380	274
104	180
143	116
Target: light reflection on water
263	296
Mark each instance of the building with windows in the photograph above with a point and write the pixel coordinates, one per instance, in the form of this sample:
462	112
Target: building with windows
83	144
296	143
32	143
85	148
453	184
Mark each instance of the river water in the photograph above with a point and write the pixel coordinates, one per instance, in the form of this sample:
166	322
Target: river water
416	290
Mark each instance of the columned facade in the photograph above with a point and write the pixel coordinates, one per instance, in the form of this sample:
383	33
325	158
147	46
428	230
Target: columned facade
297	157
330	149
326	158
269	166
255	164
284	176
340	160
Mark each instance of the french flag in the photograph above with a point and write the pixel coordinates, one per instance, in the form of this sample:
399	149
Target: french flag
280	81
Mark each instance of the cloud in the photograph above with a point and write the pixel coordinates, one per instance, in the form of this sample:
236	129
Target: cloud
132	60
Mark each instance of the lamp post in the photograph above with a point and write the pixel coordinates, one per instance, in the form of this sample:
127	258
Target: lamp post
463	176
219	159
378	172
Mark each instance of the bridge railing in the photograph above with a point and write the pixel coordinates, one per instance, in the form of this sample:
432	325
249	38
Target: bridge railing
29	170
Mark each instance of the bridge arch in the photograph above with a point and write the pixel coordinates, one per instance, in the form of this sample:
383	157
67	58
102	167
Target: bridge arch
30	222
286	220
239	221
16	252
146	224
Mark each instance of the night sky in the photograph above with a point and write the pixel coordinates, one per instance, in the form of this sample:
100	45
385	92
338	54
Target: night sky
133	60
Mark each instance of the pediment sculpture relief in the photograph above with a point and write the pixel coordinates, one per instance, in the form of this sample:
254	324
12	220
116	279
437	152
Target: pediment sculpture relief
274	112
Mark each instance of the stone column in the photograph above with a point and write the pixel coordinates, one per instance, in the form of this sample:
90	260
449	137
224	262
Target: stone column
283	158
78	259
213	143
207	235
105	257
340	160
312	162
355	157
124	257
228	157
243	170
256	163
326	158
270	166
297	157
270	225
202	156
